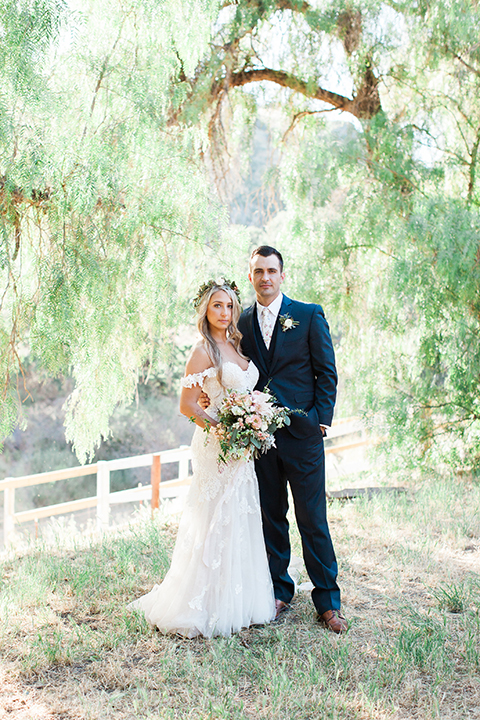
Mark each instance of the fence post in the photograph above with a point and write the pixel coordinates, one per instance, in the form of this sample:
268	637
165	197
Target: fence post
8	513
155	478
103	494
183	464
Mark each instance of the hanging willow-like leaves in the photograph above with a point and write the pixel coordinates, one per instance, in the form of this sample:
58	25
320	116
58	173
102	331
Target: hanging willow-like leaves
100	206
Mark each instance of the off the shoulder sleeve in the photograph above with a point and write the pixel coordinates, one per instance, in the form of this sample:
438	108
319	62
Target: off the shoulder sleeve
197	378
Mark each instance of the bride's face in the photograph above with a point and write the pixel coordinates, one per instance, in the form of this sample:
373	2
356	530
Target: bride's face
219	310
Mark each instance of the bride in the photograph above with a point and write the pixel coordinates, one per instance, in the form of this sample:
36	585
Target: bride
219	581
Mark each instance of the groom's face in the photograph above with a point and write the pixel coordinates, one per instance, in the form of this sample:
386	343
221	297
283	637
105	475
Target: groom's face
266	277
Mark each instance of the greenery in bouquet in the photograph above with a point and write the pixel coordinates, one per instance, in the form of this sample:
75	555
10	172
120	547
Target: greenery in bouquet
246	423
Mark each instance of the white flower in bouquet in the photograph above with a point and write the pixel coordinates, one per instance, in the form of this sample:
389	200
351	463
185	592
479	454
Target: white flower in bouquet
246	424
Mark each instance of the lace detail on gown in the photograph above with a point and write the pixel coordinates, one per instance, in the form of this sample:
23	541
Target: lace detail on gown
219	580
197	378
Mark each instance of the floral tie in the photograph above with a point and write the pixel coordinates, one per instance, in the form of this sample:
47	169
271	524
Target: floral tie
267	326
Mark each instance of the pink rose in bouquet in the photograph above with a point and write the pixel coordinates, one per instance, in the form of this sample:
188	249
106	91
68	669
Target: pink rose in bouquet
246	423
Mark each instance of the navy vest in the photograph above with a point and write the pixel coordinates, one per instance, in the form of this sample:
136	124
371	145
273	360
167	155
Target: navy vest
266	354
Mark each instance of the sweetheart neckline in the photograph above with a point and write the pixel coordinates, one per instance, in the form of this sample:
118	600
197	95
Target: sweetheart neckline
230	362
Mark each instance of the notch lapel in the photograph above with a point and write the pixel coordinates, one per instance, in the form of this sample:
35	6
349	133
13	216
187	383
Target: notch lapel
277	351
252	336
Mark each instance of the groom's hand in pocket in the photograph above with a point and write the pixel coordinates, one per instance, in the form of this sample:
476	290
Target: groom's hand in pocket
203	400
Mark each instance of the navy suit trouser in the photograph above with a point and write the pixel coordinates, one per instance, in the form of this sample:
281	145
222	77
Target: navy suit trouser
301	463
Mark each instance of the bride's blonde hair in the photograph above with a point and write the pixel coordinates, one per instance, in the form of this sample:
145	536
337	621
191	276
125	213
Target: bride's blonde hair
233	333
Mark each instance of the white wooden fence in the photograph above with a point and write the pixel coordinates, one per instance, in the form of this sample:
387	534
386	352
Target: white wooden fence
104	498
152	492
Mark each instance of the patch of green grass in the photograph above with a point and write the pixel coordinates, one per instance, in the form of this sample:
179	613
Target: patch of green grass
74	601
470	641
422	644
453	597
64	629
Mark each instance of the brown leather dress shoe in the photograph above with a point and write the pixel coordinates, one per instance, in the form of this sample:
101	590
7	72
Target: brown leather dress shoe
280	607
334	621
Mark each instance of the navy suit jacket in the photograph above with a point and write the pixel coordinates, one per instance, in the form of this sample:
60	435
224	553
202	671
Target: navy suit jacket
301	372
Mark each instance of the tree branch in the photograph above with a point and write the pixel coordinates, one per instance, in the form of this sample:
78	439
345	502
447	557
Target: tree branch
369	247
396	174
18	233
244	77
289	81
366	104
472	168
17	196
437	146
102	73
302	114
294	5
469	67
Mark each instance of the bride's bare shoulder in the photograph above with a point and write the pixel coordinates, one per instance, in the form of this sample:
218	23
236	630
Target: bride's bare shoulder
198	360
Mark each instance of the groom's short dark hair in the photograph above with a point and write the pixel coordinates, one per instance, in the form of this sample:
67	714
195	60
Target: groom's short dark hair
266	251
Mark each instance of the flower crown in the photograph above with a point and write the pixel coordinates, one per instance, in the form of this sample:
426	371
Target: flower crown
219	282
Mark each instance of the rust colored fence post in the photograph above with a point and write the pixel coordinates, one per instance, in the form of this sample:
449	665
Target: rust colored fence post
156	476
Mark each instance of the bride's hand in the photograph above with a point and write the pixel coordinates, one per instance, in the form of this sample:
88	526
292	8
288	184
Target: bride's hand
203	400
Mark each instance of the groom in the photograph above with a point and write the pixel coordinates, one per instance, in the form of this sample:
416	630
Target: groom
289	342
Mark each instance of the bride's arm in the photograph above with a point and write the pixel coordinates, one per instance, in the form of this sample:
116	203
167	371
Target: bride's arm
197	363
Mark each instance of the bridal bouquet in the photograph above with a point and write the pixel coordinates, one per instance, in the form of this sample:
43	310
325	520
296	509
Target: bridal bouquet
246	423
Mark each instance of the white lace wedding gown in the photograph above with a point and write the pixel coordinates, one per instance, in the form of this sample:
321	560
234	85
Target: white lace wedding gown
219	581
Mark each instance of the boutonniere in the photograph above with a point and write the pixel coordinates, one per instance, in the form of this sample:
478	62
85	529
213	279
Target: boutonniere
287	322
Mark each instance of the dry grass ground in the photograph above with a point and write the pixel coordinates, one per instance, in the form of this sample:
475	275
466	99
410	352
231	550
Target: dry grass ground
409	573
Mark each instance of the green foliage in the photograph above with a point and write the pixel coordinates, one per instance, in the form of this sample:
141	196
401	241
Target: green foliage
116	124
28	27
105	206
386	229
